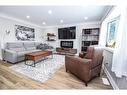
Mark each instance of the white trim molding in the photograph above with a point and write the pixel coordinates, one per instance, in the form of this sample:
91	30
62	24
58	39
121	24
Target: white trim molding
74	24
107	13
114	85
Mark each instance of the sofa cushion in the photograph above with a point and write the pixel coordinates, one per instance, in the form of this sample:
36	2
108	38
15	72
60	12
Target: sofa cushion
29	45
25	52
20	58
14	45
17	49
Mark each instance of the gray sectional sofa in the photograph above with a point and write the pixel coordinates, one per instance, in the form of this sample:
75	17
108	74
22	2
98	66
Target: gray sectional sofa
15	51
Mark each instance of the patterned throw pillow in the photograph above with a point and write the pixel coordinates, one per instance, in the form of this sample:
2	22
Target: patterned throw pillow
44	46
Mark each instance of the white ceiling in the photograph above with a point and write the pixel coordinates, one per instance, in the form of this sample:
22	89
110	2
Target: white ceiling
69	14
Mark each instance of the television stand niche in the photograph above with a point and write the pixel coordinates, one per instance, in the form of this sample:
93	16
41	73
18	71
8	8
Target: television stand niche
66	51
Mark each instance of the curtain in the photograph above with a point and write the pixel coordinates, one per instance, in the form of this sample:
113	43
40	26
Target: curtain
119	64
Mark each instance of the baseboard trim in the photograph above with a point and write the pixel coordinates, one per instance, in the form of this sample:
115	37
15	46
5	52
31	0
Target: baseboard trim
114	85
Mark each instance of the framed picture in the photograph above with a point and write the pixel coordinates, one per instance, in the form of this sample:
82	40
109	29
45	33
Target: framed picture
24	33
112	28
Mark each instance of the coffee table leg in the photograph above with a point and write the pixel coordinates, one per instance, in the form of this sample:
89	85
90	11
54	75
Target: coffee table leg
34	63
52	55
25	61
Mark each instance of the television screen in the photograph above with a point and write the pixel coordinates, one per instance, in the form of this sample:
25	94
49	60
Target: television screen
67	33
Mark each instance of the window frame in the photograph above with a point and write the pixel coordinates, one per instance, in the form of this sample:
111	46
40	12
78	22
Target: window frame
109	31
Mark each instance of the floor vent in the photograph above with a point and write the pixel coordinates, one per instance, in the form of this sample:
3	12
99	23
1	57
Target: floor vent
105	81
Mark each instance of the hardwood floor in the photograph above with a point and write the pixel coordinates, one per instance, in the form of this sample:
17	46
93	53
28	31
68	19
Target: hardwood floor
10	79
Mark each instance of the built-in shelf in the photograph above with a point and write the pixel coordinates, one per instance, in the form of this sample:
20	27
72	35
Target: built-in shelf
89	37
51	35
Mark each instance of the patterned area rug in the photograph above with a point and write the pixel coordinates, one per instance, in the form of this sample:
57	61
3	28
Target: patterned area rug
43	70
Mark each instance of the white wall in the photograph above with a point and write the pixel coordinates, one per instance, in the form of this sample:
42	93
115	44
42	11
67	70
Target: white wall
77	41
7	24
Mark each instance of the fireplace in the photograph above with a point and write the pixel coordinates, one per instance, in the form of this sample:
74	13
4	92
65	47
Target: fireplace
66	44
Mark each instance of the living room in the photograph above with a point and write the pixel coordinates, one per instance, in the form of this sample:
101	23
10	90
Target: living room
44	48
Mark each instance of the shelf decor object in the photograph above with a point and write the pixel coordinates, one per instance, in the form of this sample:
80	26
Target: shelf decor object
51	37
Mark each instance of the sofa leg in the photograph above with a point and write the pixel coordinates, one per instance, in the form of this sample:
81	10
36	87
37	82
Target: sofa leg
66	69
86	84
99	75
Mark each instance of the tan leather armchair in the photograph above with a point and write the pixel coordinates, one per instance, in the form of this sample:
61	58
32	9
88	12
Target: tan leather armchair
88	67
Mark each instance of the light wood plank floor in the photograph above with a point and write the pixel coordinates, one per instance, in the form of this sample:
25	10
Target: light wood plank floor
10	79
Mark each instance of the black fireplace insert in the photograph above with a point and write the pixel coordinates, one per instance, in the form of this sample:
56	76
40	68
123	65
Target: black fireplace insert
66	44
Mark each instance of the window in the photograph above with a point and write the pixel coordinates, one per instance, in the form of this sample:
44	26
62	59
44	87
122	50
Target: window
112	28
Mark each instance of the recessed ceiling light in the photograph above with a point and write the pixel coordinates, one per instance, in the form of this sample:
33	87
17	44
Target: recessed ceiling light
43	23
85	18
50	11
61	21
27	17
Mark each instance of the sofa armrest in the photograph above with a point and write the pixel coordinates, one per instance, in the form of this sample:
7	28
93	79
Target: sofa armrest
10	56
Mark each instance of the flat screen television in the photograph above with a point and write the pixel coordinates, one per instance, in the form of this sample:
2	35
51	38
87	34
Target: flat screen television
67	33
